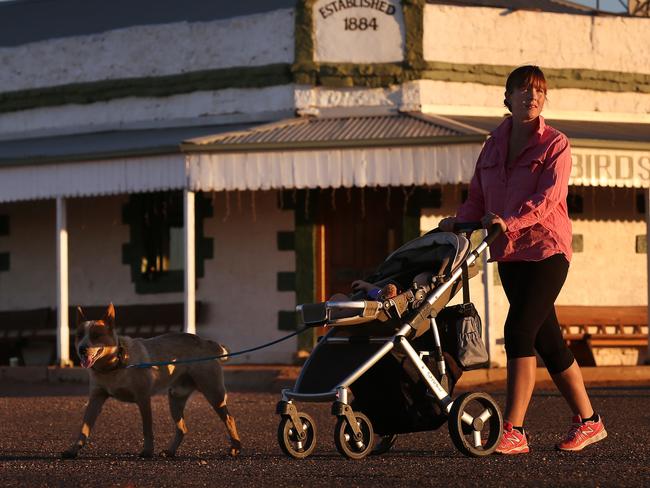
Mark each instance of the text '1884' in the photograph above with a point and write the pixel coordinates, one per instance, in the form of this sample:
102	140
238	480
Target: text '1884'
360	23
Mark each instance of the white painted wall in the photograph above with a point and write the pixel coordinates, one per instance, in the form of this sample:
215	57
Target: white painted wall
240	283
95	235
481	35
609	271
31	279
154	50
191	109
247	105
477	99
456	98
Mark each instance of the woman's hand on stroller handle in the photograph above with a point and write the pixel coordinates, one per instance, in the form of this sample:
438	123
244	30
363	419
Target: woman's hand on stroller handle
490	219
493	223
451	224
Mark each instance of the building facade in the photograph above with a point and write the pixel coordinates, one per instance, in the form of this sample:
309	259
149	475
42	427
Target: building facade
242	159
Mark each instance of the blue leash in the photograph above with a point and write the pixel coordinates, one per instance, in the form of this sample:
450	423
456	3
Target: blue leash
212	358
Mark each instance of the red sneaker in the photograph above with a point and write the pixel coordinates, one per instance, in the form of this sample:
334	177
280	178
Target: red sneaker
582	434
512	441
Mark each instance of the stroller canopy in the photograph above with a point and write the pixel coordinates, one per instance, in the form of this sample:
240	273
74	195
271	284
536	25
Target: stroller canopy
437	252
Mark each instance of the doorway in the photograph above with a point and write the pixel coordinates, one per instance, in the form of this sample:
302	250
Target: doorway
359	228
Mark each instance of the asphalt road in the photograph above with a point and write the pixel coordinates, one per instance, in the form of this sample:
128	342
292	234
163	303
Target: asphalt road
40	421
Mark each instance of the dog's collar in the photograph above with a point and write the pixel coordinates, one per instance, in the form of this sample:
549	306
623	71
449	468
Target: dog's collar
118	360
122	354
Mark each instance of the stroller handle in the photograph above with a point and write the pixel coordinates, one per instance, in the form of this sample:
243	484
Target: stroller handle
493	231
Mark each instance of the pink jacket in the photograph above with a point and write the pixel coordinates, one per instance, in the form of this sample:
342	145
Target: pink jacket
530	197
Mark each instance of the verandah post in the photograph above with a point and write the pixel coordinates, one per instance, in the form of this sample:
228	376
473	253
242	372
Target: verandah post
190	261
62	325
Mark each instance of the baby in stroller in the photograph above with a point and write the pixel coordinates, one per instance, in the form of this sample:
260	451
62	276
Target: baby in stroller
364	290
389	345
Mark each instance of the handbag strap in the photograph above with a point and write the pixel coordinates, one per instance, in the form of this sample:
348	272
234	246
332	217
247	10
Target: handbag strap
465	278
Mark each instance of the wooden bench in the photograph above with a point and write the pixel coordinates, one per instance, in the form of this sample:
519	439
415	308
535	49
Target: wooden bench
20	329
586	327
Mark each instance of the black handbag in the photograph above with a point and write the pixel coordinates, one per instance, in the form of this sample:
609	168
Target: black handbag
461	336
461	332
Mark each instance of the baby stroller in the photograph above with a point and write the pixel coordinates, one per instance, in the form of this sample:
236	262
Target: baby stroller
395	356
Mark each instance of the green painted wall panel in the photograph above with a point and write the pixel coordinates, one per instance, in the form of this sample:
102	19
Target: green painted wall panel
305	241
4	225
4	261
286	241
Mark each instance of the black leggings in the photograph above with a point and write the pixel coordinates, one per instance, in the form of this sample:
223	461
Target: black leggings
531	325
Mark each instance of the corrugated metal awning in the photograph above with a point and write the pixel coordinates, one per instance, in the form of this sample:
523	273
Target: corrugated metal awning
104	145
400	149
93	164
350	131
581	132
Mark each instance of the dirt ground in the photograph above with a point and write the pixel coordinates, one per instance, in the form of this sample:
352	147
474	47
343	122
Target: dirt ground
39	421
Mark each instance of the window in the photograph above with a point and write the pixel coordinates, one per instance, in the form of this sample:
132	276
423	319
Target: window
4	231
640	202
155	251
575	203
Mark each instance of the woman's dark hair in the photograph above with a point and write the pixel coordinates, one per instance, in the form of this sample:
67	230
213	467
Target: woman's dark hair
524	77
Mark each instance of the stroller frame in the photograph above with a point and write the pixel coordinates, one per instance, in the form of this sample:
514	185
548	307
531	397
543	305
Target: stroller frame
353	428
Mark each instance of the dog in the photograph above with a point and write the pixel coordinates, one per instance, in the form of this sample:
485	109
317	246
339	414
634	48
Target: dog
107	355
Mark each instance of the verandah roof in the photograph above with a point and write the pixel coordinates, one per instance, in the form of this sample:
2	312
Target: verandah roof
400	149
397	149
604	153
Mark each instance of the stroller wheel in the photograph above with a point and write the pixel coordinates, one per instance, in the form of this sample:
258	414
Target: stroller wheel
385	444
344	439
475	424
289	440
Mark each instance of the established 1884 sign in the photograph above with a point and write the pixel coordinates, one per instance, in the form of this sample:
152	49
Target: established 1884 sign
358	31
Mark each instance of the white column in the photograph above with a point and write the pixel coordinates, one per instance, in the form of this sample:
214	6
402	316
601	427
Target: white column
647	236
488	280
62	329
190	261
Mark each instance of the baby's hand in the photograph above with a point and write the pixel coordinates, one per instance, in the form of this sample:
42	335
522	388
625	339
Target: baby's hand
360	285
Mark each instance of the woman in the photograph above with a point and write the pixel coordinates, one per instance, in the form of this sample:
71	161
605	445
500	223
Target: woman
521	183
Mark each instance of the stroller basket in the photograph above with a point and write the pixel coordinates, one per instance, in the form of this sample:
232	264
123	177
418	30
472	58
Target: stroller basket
388	356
